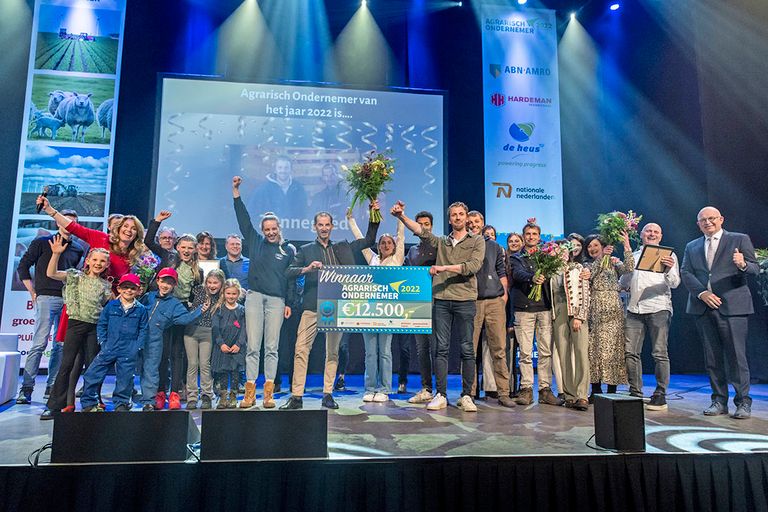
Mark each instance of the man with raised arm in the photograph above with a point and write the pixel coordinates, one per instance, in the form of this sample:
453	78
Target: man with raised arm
454	290
309	260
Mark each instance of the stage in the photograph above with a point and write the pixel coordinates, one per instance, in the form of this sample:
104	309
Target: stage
398	455
398	429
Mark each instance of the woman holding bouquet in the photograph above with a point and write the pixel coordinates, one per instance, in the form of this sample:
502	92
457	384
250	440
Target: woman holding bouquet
378	346
606	315
570	309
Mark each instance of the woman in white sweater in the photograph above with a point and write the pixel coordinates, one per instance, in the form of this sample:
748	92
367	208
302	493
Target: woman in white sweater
378	346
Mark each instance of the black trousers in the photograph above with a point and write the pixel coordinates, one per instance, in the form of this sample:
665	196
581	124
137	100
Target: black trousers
404	345
80	346
725	355
172	360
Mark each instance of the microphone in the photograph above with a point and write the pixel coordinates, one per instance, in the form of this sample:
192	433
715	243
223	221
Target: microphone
44	194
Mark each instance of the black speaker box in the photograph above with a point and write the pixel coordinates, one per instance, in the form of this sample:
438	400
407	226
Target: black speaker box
123	437
619	422
255	434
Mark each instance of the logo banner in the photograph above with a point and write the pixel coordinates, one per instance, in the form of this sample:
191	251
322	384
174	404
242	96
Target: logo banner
521	106
67	136
384	299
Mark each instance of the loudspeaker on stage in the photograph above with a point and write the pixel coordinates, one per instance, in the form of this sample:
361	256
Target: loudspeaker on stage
619	422
254	435
123	437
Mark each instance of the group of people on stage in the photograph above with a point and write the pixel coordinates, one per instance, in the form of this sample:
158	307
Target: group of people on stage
191	334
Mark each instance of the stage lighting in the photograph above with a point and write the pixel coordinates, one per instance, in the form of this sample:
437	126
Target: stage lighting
522	2
615	7
573	15
364	3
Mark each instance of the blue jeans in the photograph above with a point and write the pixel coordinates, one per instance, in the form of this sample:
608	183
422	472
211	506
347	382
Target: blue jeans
97	370
47	314
150	373
378	362
454	316
263	319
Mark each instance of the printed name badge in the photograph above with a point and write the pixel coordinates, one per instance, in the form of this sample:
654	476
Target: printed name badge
385	299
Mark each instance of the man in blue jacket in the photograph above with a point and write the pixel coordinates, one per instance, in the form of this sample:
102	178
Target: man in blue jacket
715	269
122	330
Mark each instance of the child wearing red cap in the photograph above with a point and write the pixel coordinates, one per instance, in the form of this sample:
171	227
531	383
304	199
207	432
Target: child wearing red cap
165	311
122	330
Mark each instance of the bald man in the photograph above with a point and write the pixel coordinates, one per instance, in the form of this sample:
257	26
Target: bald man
715	269
649	310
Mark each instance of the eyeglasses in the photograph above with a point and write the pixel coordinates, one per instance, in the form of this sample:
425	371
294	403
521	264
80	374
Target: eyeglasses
708	220
166	238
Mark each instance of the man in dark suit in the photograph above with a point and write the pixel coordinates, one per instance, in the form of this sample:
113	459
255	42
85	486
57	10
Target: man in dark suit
714	270
310	259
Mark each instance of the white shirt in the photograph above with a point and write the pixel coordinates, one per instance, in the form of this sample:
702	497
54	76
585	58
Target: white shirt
651	292
714	243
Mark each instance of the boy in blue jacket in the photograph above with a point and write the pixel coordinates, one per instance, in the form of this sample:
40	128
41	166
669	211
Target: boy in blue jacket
164	311
121	332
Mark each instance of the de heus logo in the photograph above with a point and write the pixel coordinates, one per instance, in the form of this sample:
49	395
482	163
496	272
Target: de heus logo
522	132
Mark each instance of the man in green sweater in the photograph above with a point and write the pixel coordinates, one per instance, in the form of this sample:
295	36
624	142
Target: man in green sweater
454	290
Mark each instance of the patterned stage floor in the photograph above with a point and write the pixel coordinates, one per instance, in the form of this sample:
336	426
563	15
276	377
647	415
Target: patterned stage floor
399	429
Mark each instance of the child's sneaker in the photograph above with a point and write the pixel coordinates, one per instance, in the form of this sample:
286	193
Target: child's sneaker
174	400
148	408
160	400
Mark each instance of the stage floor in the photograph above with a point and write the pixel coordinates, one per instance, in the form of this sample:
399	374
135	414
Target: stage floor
399	429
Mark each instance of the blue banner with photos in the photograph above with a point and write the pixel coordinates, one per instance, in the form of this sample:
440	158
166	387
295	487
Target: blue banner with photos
384	299
67	137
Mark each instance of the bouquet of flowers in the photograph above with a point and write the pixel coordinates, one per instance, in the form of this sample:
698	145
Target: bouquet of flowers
611	227
550	259
366	180
145	268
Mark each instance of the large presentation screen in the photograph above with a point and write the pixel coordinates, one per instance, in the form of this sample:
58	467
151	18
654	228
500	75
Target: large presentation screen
289	143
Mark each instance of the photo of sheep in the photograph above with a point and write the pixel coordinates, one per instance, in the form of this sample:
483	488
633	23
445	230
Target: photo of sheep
74	178
28	231
71	109
77	39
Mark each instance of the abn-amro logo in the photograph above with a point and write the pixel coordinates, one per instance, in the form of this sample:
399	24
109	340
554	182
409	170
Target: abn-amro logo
521	132
495	70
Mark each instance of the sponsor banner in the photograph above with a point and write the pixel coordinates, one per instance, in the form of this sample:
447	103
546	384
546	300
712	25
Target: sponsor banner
374	299
521	106
67	134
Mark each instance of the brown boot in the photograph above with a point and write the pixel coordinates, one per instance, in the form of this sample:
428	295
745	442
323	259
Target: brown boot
525	397
249	400
269	390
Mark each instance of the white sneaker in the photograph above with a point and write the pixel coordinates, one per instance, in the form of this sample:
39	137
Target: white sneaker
368	397
466	404
437	403
422	397
380	397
